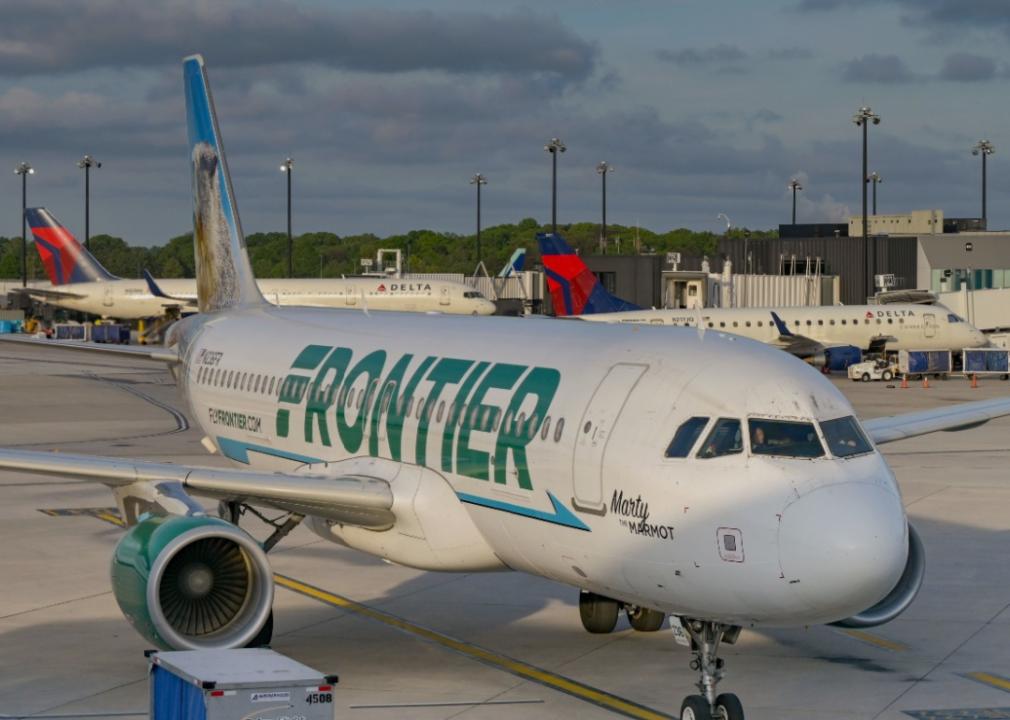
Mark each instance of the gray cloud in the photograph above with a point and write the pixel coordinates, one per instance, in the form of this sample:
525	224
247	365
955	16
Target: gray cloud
790	53
874	68
966	67
695	57
938	15
52	36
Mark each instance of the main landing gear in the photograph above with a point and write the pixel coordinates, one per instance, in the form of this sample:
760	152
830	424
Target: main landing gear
599	614
705	639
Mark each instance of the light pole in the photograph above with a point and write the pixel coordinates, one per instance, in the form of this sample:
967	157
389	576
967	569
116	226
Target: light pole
874	177
287	167
863	117
603	169
983	148
478	180
87	162
794	185
24	170
554	147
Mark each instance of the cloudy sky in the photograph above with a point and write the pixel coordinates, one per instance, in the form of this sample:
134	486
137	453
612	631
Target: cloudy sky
388	107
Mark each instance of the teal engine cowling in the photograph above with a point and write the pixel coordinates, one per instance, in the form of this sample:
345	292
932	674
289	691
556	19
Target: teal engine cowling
192	583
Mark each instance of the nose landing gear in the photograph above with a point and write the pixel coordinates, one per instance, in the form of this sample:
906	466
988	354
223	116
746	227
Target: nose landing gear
705	639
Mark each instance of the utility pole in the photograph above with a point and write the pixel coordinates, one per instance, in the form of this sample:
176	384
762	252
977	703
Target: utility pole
863	117
794	185
874	178
604	168
478	180
983	148
288	167
24	170
554	147
86	163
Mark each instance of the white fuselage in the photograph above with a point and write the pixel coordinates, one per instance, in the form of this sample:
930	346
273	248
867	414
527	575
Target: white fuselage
540	446
132	299
912	327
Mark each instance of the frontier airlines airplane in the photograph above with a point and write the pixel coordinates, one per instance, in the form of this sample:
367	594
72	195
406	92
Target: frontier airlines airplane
821	334
79	282
664	471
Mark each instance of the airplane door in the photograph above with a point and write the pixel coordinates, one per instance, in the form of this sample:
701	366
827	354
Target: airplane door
929	325
443	298
350	298
107	298
593	434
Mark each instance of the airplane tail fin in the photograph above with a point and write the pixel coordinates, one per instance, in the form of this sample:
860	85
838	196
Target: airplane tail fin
224	277
574	288
515	264
66	260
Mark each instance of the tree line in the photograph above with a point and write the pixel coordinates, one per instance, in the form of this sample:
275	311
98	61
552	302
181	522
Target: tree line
326	254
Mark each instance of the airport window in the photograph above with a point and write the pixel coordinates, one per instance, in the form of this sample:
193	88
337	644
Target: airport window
725	438
545	429
559	429
844	437
685	437
784	438
441	411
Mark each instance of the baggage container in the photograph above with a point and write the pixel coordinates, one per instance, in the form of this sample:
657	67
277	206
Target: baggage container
67	331
111	333
8	327
924	362
985	361
231	684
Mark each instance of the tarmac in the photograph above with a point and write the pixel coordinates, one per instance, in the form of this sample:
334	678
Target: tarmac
426	645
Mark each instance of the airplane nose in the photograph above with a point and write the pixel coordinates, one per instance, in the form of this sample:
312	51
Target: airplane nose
843	547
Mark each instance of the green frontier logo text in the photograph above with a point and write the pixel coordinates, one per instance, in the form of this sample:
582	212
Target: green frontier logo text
380	394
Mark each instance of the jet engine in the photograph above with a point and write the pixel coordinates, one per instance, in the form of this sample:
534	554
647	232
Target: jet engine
192	583
898	600
837	358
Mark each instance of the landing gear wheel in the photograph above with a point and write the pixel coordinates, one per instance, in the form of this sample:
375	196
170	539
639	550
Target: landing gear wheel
598	613
886	376
644	619
265	635
728	707
695	707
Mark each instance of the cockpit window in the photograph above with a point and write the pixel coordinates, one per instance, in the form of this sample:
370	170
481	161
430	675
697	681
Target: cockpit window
686	436
952	318
472	294
784	438
845	438
724	439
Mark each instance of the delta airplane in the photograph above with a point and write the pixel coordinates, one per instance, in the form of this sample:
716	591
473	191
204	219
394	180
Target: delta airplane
79	282
665	471
824	334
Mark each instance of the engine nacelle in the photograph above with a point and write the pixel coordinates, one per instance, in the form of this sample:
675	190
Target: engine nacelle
837	358
898	600
192	583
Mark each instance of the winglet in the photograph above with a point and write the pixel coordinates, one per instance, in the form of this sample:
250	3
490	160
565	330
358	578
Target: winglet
224	277
780	324
153	286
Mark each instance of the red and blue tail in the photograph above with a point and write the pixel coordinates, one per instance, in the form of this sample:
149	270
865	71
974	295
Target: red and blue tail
65	259
573	286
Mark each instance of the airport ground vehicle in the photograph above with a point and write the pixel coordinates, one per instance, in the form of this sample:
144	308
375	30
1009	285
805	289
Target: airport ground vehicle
916	364
878	369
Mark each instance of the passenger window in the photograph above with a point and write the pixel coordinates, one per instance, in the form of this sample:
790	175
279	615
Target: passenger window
784	438
820	322
843	321
685	437
747	323
420	408
725	438
475	414
559	429
722	324
545	429
735	324
844	437
410	407
531	427
952	318
441	411
831	322
496	423
890	321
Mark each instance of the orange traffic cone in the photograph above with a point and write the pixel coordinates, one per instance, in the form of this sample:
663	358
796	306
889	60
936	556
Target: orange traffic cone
974	380
925	381
904	382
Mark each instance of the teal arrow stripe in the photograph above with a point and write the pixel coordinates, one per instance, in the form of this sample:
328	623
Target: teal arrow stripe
561	515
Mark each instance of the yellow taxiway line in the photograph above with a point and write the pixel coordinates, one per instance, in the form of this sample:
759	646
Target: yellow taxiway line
875	640
519	668
996	681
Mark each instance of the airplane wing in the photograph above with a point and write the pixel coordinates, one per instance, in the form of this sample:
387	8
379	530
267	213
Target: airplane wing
47	294
141	352
949	419
352	499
